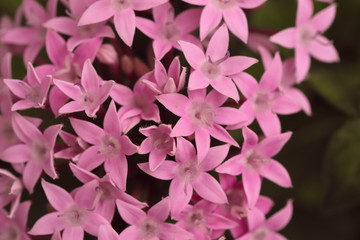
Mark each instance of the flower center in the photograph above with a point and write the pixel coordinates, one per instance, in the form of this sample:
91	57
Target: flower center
40	151
74	216
188	171
210	70
170	32
90	99
161	140
223	4
35	95
261	101
260	234
148	228
254	159
11	231
201	114
120	5
306	35
109	146
195	218
236	198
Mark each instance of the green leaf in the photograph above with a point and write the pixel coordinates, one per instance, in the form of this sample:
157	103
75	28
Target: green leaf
343	156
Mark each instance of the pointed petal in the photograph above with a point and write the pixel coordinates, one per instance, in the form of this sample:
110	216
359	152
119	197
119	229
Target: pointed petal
250	139
185	151
47	224
121	94
276	173
285	38
246	83
165	171
208	188
118	169
51	133
87	130
111	120
156	158
31	175
70	107
89	77
193	54
147	26
236	21
215	98
252	185
232	166
18	87
271	145
237	64
248	4
180	195
323	50
131	214
68	89
214	157
106	232
130	233
24	129
209	20
73	233
302	63
90	158
125	25
140	5
83	175
63	25
218	44
16	154
304	12
160	211
202	141
323	19
93	221
172	231
55	47
280	219
269	122
255	219
216	221
221	134
58	197
273	75
197	81
188	20
229	116
97	12
175	102
161	48
226	86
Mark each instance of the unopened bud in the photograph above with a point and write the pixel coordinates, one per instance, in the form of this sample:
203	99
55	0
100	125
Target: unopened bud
107	54
127	65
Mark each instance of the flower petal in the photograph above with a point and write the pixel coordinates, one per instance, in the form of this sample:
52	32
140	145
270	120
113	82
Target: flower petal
208	188
125	25
209	20
58	197
235	19
276	173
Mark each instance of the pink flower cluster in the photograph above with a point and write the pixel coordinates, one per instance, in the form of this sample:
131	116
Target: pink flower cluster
179	117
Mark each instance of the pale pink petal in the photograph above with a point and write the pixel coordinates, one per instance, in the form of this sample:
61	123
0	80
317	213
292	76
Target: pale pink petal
172	231
280	219
296	96
246	83
23	104
89	77
185	151
16	36
250	139
147	26
276	173
269	122
252	185
161	48
68	89
226	86
208	188
90	158
111	120
128	148
161	13
83	175
323	19
55	47
232	166
175	103
221	134
202	141
165	171
183	127
118	169
87	50
18	87
121	94
276	236
93	222
288	104
106	232
130	233
57	99
197	80
218	44
71	233
24	129
160	211
87	130
237	64
209	20
58	197
16	154
156	158
146	146
302	63
214	157
51	133
188	20
264	204
229	116
255	219
304	12
6	66
236	21
216	221
180	195
323	50
32	51
131	214
140	5
70	107
49	167
273	75
124	22
47	224
193	54
285	38
250	3
215	98
99	11
63	25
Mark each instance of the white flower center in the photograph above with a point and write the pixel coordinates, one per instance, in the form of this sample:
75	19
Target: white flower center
90	99
188	171
201	113
74	216
305	35
210	70
254	159
40	151
195	218
148	228
121	4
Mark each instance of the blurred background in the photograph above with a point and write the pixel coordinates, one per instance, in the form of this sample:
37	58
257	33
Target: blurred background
323	156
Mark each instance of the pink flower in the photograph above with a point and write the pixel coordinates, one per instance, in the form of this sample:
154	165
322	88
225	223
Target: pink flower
306	37
33	90
88	95
255	161
158	143
70	215
168	30
260	229
37	150
109	146
75	146
15	227
123	13
215	66
201	114
151	225
188	173
167	82
10	191
232	12
202	221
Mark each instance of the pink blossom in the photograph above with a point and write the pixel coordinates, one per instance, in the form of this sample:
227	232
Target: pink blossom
5	72
260	229
167	81
232	12
109	146
167	29
75	146
71	215
37	150
188	173
215	66
306	37
33	89
150	225
201	114
10	191
15	227
89	94
123	13
158	143
201	220
255	161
